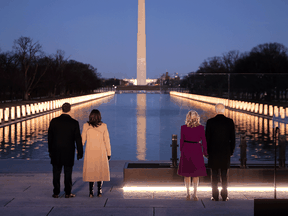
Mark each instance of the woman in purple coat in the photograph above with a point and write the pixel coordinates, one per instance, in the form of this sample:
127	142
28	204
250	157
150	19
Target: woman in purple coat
191	159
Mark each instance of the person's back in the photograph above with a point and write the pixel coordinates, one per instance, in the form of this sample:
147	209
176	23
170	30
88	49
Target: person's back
220	137
97	153
63	132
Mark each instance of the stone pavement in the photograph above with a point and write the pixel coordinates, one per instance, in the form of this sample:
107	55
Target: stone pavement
26	189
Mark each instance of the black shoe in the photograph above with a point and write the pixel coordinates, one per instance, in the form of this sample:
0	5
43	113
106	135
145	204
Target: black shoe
99	192
214	199
55	196
70	195
91	187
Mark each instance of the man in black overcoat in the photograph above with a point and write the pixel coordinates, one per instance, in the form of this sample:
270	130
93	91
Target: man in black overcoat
63	132
220	137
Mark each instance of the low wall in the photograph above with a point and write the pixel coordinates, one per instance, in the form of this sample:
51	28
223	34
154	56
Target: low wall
12	113
255	108
235	174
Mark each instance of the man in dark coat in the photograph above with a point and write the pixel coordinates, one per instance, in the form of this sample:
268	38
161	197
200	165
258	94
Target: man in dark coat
220	137
62	134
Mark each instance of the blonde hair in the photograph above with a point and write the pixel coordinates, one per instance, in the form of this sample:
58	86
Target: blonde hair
192	119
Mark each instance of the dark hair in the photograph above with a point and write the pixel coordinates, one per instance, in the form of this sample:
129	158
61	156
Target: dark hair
66	107
95	118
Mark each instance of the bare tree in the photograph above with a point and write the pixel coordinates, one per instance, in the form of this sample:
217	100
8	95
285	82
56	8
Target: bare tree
58	68
29	54
230	59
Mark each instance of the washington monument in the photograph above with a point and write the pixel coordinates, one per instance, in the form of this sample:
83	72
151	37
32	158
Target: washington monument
141	44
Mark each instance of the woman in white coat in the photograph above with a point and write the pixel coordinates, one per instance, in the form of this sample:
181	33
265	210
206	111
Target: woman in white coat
97	152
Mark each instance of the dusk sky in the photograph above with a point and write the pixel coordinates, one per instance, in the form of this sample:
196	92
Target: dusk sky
180	34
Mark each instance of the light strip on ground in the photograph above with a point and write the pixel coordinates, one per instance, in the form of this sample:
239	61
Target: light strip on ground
260	189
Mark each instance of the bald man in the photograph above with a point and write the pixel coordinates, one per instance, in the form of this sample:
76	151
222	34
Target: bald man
220	137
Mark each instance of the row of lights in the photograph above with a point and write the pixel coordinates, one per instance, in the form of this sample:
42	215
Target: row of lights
12	113
257	108
237	189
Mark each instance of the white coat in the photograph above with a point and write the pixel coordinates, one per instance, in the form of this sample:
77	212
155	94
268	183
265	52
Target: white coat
96	166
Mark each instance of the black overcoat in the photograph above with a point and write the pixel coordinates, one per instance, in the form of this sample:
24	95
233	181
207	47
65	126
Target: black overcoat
220	137
63	132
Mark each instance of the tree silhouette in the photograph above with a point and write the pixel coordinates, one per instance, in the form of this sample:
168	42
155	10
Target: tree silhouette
29	54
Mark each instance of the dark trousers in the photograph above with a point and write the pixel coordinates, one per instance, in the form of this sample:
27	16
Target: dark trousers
215	179
67	178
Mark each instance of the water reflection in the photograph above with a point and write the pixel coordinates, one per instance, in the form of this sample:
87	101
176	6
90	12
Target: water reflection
141	126
259	130
28	139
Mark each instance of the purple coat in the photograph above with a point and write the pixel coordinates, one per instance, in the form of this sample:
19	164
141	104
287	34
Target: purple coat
191	159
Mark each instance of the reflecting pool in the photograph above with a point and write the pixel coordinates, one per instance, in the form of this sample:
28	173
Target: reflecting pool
140	128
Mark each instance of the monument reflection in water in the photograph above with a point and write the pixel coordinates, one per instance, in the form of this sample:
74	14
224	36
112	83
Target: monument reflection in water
141	128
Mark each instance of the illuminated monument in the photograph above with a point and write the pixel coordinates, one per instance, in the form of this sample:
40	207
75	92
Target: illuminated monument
141	44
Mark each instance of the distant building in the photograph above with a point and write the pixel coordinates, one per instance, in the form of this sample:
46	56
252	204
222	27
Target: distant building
134	81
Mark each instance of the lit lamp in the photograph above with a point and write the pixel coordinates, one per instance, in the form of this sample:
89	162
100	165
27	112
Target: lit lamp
282	113
237	104
252	107
265	109
249	106
233	104
32	109
44	106
230	104
286	111
18	112
53	104
276	111
12	113
260	108
256	108
36	108
6	117
47	105
40	107
245	105
270	110
28	110
23	111
1	115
